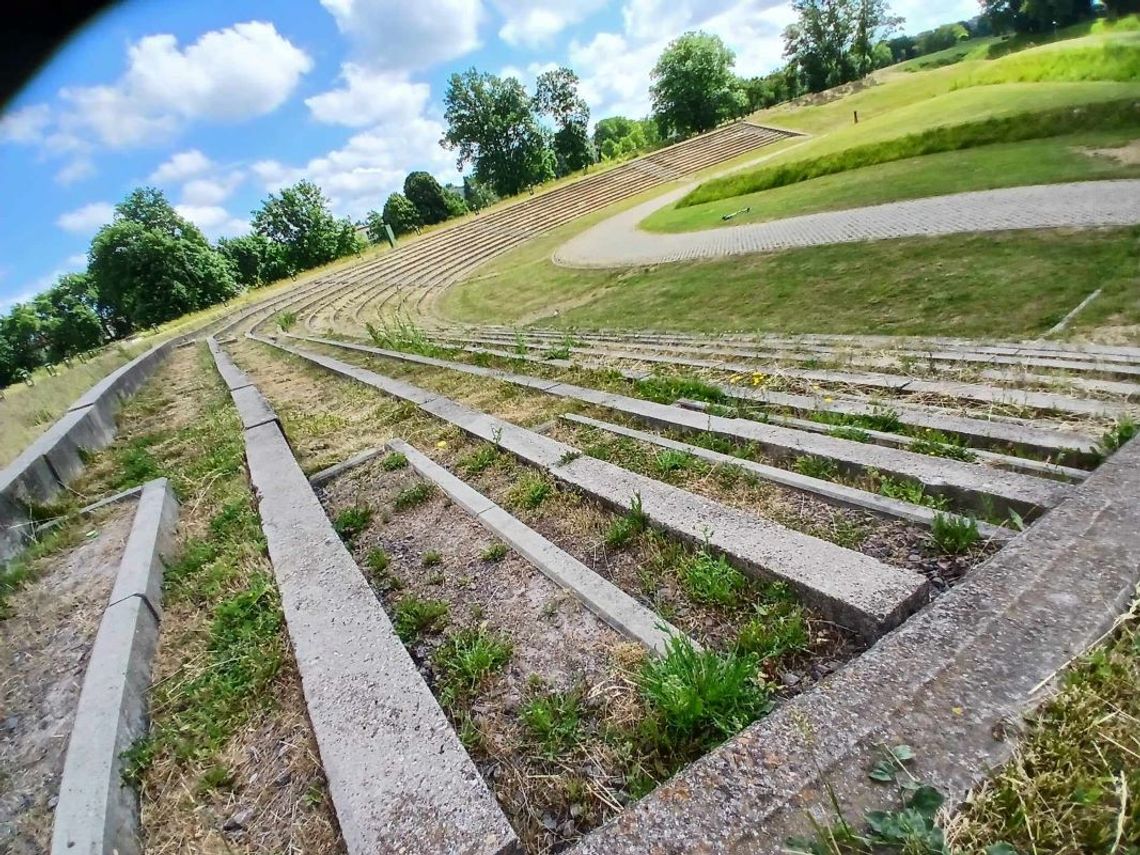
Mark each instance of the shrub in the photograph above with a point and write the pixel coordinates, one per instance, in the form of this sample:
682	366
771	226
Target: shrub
703	696
954	534
395	460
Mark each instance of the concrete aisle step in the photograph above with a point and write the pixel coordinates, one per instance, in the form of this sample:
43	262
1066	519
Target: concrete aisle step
399	779
850	588
603	598
972	486
840	494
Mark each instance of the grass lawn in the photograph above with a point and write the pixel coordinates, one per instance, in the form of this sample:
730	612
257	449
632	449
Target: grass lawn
1042	161
1006	284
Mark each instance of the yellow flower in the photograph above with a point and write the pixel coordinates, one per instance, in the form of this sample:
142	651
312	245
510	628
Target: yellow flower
735	378
828	400
757	379
441	444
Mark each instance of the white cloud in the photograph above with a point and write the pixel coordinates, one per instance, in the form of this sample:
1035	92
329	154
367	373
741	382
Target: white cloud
369	98
534	23
26	125
87	219
210	191
180	167
76	170
214	220
406	36
527	76
923	15
76	262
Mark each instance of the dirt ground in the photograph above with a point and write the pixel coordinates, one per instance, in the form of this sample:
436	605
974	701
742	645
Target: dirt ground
44	649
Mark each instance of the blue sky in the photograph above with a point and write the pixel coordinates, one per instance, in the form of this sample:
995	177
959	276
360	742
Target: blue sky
219	103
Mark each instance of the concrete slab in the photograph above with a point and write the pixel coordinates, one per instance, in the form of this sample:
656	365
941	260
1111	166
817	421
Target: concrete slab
252	407
399	779
232	376
96	812
337	469
603	598
947	683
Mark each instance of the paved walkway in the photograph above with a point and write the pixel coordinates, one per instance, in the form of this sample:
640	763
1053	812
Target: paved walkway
617	242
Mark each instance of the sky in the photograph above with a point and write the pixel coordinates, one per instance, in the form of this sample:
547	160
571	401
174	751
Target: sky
220	102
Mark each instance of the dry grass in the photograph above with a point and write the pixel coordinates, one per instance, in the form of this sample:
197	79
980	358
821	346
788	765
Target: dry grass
1073	786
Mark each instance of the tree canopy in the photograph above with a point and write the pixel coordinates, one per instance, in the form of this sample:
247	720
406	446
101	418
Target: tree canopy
300	222
492	125
693	86
556	96
833	41
400	214
1042	16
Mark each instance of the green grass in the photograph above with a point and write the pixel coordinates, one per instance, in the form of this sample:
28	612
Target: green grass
478	460
414	495
553	721
431	558
1016	164
495	553
778	627
709	578
1007	284
1113	115
703	696
530	490
816	467
469	657
350	522
1123	431
626	528
953	534
667	388
414	616
392	462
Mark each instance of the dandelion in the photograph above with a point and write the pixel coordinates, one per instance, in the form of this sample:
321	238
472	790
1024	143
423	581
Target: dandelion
735	378
441	444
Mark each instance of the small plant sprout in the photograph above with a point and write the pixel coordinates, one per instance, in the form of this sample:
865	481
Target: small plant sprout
569	457
624	529
415	495
1120	433
497	438
496	552
392	462
709	578
470	656
954	534
377	560
350	522
431	558
553	721
415	617
530	491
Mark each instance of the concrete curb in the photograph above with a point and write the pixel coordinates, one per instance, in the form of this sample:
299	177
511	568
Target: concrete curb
321	478
399	779
96	812
839	494
949	683
603	598
56	457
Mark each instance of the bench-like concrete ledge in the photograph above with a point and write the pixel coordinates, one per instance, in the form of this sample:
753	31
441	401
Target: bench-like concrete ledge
849	588
399	778
603	598
319	479
96	813
945	683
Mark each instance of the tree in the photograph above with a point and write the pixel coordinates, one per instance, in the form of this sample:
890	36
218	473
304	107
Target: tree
556	95
693	85
832	41
150	265
872	22
477	195
401	214
254	259
423	191
1035	16
940	38
490	122
69	317
300	223
1116	8
23	335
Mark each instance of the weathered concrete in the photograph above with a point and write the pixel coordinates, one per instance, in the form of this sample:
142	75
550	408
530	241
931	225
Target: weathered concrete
399	779
232	376
851	589
96	813
838	494
252	407
321	478
947	683
603	598
972	486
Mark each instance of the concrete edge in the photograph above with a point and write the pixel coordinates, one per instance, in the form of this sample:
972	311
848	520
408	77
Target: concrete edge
319	479
602	597
96	812
953	682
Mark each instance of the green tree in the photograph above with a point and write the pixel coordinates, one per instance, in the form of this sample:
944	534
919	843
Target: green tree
832	41
423	191
254	259
693	86
300	222
556	95
491	124
150	265
69	316
401	214
1035	16
940	38
477	195
23	335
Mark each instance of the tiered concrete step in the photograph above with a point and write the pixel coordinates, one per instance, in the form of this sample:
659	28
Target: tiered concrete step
852	589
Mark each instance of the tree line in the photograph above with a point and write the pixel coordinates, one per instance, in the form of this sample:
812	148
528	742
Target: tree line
150	265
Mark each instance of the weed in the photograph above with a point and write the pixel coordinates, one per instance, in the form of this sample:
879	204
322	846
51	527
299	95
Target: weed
777	628
816	467
415	616
478	460
667	388
469	734
954	534
521	348
470	656
553	721
377	560
286	320
530	491
703	696
392	462
557	353
352	521
1124	430
908	491
711	579
401	333
415	495
495	552
937	444
670	460
624	529
849	432
569	457
431	558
